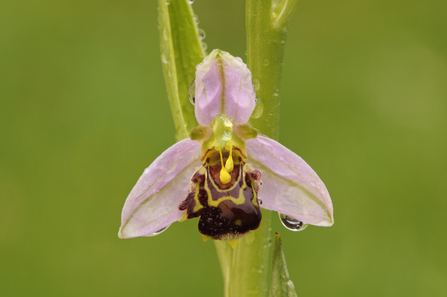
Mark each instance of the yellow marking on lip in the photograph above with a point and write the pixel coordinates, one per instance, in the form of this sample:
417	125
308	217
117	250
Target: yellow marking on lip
233	243
203	159
198	205
216	187
185	216
255	194
236	200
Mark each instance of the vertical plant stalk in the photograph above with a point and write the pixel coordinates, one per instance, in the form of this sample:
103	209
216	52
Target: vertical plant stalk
246	269
181	51
267	22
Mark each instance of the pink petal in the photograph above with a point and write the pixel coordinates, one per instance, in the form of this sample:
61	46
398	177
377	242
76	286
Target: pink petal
289	185
223	85
153	202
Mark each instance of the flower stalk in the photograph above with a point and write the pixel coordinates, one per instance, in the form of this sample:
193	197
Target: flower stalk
247	269
267	22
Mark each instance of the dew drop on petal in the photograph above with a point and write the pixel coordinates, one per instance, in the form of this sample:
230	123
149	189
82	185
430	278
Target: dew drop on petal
159	231
291	223
192	92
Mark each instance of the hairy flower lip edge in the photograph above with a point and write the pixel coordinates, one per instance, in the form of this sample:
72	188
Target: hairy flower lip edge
141	212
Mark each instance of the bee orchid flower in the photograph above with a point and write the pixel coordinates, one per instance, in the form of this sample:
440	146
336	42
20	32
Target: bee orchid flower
225	171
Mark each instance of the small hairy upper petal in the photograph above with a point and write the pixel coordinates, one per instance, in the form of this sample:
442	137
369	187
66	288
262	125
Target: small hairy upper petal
153	202
289	185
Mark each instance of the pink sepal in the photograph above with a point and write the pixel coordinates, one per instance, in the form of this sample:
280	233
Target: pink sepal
290	186
153	202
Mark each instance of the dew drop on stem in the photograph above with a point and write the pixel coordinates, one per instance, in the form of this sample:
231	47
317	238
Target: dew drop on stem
256	84
192	92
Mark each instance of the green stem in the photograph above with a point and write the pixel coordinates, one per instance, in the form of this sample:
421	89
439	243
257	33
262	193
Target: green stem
246	269
266	35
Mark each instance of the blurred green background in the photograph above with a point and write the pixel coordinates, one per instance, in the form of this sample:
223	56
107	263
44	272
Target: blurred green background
83	110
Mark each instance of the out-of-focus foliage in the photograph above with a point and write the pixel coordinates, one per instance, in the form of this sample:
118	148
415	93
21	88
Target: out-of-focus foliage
83	110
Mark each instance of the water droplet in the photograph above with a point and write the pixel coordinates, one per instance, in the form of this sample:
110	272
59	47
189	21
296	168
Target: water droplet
165	34
276	93
191	1
202	34
291	223
159	231
204	46
266	62
196	19
259	109
256	84
260	201
245	52
192	92
163	58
